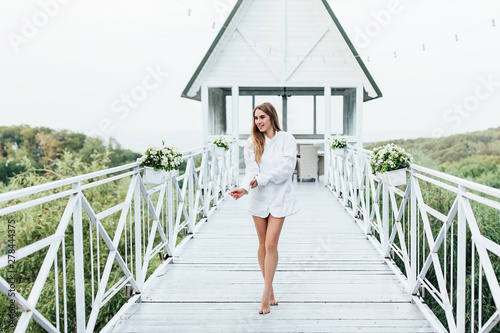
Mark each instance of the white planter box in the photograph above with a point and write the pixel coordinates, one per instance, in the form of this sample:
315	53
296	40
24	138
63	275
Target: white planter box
394	178
158	177
220	151
339	152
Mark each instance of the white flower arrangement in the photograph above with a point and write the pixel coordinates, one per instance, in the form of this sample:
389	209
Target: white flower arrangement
165	157
389	158
220	141
338	142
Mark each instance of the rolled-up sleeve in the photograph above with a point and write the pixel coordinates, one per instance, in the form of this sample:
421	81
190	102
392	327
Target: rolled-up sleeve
286	167
251	166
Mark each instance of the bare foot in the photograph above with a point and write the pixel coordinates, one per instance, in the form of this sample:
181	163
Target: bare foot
272	300
264	307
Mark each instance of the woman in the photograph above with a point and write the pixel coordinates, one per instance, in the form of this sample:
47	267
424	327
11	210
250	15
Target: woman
270	157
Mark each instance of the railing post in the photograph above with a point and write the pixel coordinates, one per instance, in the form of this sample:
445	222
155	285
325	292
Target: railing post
461	261
354	197
192	194
79	260
235	161
412	279
172	239
366	216
206	194
385	218
138	235
233	164
345	179
328	129
331	174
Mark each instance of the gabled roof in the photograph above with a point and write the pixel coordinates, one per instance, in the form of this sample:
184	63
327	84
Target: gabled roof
222	31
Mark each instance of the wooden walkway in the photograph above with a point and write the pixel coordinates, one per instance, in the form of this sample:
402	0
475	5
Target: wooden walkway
330	278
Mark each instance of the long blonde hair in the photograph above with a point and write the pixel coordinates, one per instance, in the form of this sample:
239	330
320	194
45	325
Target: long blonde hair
257	135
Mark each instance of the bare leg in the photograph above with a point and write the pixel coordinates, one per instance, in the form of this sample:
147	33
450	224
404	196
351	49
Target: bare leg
261	227
273	230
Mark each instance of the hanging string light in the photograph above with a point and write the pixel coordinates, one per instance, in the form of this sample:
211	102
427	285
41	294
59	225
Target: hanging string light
492	21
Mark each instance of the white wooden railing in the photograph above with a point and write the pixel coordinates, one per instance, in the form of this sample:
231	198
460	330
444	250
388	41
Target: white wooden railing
123	238
434	230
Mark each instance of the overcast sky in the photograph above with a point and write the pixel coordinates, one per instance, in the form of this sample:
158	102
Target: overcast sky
74	67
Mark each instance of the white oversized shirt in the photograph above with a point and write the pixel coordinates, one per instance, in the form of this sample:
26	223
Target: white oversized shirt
274	193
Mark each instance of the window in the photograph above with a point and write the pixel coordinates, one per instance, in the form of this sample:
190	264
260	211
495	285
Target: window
337	103
300	114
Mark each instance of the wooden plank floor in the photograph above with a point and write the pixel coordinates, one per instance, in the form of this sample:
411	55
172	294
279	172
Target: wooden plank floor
329	278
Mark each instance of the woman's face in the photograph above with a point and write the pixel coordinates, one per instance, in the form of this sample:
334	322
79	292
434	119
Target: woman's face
262	121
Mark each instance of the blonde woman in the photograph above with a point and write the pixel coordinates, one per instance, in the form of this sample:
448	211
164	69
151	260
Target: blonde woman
270	157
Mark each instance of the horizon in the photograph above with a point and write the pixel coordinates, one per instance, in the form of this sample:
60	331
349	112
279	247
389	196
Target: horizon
186	134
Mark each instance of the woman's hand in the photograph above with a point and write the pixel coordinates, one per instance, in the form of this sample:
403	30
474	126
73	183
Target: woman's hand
254	183
238	193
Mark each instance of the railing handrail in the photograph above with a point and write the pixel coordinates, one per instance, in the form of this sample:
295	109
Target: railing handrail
16	194
445	176
403	229
459	181
153	227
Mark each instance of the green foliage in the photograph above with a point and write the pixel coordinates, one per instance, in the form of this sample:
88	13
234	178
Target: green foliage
42	146
474	156
41	221
9	168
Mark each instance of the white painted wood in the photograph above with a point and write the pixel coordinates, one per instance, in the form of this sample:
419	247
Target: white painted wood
359	115
146	213
276	42
60	183
461	264
325	282
79	259
328	130
204	113
335	266
235	92
446	287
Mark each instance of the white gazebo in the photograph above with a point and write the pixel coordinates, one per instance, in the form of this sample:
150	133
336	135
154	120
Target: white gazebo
293	53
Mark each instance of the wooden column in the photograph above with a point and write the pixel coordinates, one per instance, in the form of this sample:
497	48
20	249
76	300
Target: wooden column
359	115
235	92
328	131
204	113
284	120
